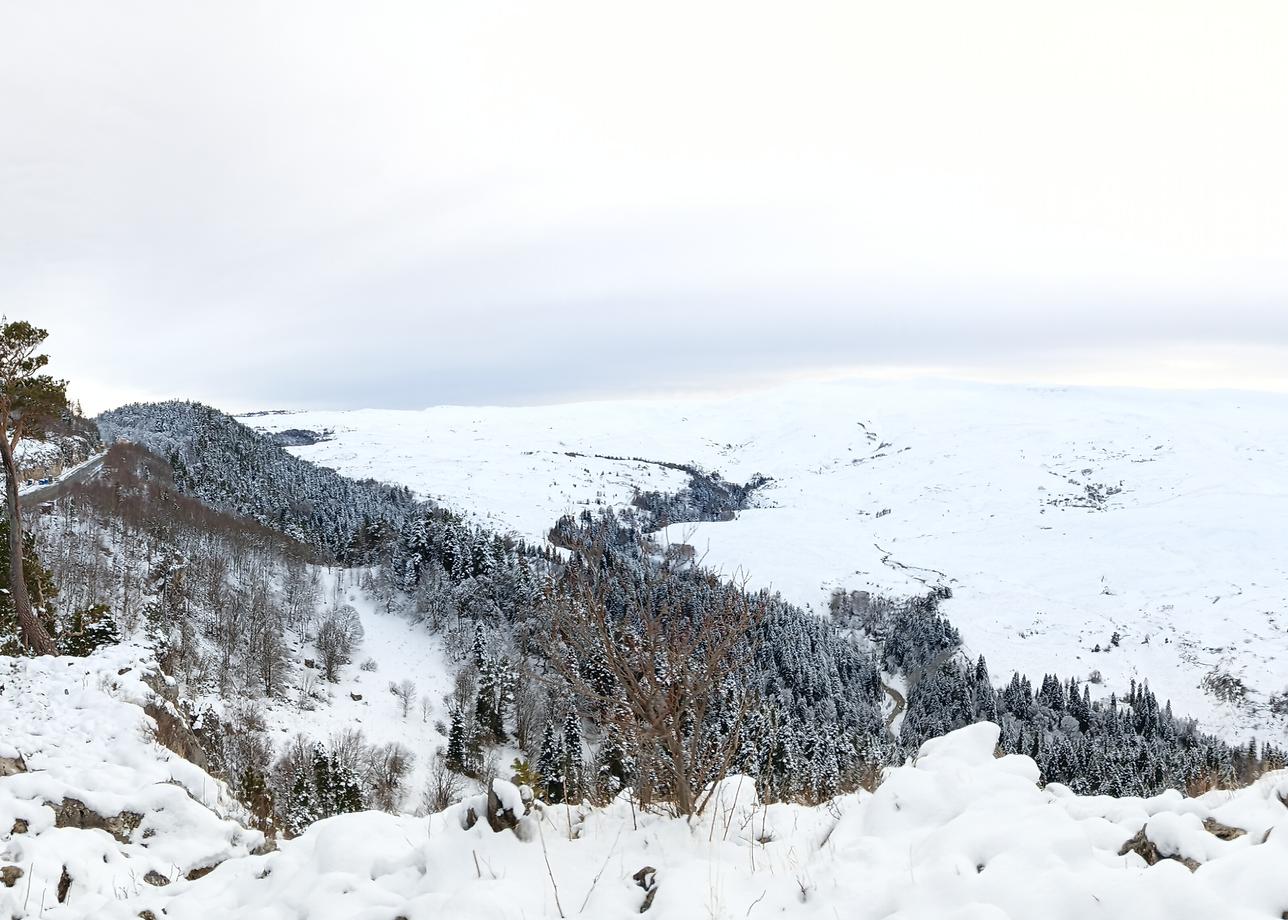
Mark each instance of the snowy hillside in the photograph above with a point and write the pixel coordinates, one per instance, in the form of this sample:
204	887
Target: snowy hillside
960	833
1058	517
93	808
396	650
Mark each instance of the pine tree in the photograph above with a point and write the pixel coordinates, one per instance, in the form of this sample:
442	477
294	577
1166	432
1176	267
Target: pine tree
573	768
550	764
616	767
457	752
485	702
89	630
301	808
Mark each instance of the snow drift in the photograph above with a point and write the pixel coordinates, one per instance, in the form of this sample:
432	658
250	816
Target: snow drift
958	833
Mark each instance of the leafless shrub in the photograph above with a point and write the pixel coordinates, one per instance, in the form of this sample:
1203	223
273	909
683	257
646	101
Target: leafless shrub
338	634
465	686
405	691
442	787
388	766
670	673
349	747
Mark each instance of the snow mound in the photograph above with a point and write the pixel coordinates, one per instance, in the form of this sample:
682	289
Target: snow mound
93	810
958	833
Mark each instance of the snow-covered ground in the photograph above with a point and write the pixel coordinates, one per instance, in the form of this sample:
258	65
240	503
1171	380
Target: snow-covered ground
1005	494
958	834
961	836
73	730
402	650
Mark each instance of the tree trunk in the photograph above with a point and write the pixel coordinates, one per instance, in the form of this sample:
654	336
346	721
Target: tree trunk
30	630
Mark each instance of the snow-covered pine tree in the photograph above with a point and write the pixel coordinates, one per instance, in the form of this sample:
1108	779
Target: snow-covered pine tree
573	765
550	764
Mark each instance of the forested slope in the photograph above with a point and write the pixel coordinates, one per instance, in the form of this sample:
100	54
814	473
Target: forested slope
234	468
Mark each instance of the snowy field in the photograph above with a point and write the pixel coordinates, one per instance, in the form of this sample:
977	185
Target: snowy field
100	821
1008	495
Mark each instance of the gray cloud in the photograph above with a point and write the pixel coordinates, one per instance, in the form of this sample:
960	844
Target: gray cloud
402	204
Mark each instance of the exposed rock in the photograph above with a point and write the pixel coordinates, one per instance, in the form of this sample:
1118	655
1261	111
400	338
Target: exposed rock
9	875
499	818
174	733
309	663
646	878
195	874
12	766
64	885
20	826
356	697
1147	850
155	878
147	915
1223	831
75	813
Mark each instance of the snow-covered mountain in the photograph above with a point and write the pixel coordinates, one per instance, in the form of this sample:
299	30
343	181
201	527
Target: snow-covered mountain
1147	524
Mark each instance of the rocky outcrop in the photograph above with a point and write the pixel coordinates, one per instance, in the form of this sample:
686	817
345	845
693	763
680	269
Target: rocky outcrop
500	811
1147	850
12	766
1222	831
75	813
9	875
499	817
173	732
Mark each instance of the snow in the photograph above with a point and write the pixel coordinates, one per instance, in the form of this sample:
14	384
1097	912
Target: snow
957	832
1188	563
508	795
79	726
402	650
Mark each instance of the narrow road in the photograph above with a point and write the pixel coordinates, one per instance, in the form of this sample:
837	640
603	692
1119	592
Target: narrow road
34	496
900	704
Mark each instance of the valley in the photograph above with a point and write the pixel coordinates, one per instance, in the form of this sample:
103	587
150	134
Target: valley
1058	518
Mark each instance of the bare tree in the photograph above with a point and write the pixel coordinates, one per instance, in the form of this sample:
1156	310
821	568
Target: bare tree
29	403
442	787
405	691
388	767
664	674
338	635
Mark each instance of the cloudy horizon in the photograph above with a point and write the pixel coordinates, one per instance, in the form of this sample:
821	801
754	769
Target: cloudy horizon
409	204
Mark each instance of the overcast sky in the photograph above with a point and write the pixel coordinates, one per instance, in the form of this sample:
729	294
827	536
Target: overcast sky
404	204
